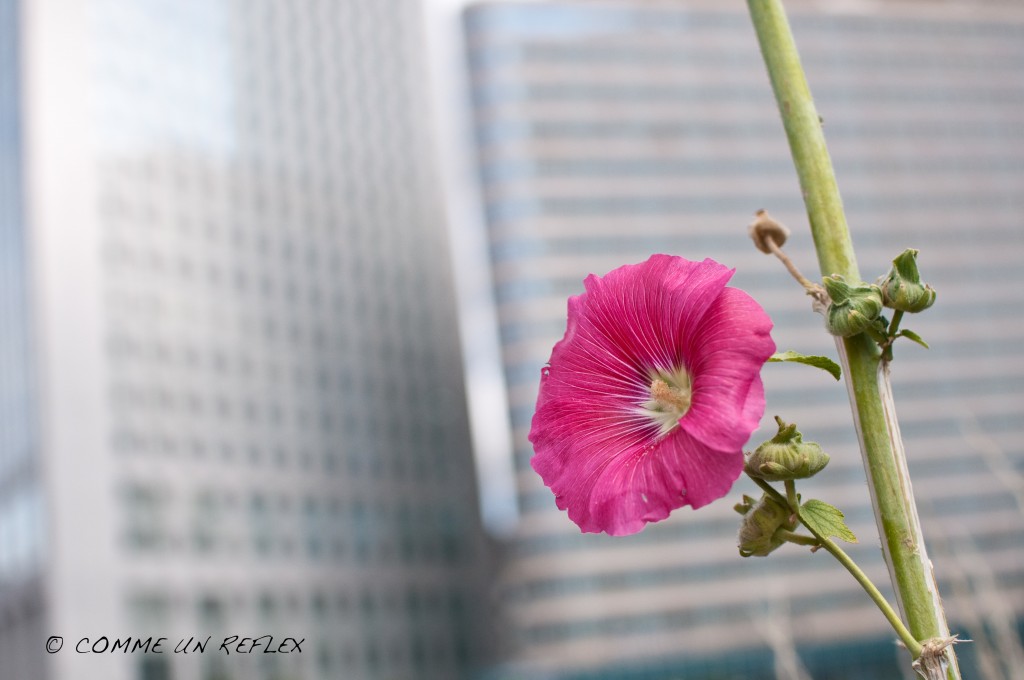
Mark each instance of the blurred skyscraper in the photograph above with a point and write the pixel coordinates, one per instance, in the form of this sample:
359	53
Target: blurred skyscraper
610	131
232	396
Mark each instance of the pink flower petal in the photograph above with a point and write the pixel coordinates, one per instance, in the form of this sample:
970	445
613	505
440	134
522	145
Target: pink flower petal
726	360
645	487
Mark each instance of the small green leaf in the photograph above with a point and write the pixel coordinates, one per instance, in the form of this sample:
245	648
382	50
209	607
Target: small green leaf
824	363
911	335
826	520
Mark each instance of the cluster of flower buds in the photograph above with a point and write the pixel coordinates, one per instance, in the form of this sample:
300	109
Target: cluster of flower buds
853	308
857	308
783	458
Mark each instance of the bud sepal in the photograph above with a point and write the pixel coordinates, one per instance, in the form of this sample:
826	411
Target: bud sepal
766	523
902	289
853	309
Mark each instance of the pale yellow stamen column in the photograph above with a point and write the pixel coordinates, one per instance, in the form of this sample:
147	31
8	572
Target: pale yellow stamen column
669	399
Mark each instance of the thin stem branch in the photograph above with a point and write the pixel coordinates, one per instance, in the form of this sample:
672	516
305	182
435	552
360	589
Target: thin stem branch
770	490
894	325
808	285
799	539
906	637
769	236
794	501
818	540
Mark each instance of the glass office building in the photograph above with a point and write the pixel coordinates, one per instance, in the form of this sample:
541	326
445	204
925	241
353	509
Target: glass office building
610	131
232	393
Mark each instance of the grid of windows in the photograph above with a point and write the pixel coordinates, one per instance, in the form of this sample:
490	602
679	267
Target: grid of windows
610	132
268	525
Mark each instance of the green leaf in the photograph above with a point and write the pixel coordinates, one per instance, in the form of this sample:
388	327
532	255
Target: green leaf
911	335
826	520
824	363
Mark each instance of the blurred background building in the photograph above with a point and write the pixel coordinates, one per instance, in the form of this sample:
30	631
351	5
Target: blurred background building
232	394
610	131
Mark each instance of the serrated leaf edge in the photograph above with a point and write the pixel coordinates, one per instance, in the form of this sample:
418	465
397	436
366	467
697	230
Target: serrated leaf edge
844	533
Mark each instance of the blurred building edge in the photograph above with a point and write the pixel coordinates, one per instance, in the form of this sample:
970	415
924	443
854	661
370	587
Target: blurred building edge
232	392
608	131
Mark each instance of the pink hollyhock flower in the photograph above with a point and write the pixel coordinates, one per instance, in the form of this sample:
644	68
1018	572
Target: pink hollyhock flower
647	401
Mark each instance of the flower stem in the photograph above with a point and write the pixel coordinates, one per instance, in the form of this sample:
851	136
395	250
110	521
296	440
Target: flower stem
799	539
794	501
817	540
808	285
770	490
897	317
769	235
895	509
906	637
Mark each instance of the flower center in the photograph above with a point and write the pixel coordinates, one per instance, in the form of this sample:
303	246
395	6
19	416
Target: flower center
669	399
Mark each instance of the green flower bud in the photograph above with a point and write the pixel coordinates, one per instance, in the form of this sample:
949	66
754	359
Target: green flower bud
853	308
902	288
786	456
761	521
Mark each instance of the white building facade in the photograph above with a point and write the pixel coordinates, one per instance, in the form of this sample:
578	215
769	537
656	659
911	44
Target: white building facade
233	396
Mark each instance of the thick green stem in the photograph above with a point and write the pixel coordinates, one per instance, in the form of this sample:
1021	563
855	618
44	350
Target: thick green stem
878	432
